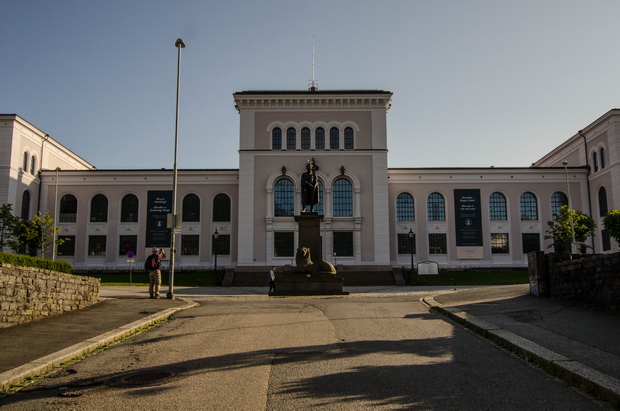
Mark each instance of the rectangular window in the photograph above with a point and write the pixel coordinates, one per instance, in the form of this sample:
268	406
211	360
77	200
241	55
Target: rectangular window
606	240
437	244
96	245
67	248
531	242
343	243
190	244
283	244
127	243
561	246
499	243
221	245
405	244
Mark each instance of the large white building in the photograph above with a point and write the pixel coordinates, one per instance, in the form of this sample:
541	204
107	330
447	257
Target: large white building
374	216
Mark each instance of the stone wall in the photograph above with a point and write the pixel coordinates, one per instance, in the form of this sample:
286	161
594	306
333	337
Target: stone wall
589	279
28	294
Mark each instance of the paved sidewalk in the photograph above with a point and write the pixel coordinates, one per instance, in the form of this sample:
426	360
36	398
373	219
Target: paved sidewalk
575	343
32	348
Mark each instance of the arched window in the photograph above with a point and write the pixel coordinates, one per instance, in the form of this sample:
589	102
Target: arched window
497	207
602	202
99	209
68	209
558	199
283	198
349	141
404	207
529	207
343	198
26	205
25	164
319	139
191	208
33	165
221	208
276	139
334	138
603	159
595	161
129	209
318	208
305	138
291	139
436	207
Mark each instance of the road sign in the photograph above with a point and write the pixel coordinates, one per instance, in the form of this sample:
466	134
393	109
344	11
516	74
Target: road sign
130	254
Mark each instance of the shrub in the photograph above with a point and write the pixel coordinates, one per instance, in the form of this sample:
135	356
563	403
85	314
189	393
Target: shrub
612	224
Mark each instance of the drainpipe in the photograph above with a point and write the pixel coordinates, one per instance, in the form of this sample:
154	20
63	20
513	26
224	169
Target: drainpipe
585	145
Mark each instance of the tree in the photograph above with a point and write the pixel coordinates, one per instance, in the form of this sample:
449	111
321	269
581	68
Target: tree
612	224
36	236
561	228
7	225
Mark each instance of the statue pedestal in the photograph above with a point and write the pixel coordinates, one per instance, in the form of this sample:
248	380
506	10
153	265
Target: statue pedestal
309	281
292	283
310	234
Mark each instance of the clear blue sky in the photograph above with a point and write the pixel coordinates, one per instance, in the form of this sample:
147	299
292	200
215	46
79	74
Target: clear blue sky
475	83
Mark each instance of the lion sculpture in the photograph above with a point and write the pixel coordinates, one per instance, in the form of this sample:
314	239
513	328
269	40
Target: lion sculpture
305	264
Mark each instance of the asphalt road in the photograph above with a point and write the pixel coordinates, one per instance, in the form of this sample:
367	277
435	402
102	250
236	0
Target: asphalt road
294	353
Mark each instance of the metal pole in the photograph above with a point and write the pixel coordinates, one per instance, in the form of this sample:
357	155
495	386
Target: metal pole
215	245
570	207
411	246
179	45
55	216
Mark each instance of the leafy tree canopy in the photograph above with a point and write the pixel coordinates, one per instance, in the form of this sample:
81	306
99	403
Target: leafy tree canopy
561	228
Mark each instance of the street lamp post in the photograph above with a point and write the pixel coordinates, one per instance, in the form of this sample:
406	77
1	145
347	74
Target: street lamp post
55	215
411	234
570	207
215	244
179	45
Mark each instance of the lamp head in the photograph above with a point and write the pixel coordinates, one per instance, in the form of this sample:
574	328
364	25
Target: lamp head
564	163
179	43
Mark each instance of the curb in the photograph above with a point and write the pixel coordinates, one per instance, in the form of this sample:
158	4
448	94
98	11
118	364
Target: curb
43	364
586	378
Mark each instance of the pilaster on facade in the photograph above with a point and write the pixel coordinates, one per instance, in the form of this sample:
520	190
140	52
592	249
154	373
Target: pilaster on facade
246	229
381	207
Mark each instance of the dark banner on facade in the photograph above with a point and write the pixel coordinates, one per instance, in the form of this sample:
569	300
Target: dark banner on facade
159	205
468	218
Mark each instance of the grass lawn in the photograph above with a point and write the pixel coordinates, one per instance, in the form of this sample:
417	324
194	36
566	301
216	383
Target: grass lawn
189	279
485	277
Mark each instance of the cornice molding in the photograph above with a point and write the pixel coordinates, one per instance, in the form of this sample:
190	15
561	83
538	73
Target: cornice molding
309	102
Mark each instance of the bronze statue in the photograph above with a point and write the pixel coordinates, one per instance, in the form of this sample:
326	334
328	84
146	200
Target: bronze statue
306	265
309	187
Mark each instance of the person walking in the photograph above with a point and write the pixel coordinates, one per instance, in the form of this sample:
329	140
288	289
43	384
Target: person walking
272	280
153	266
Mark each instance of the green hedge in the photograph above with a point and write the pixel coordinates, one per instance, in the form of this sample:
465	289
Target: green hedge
482	277
181	278
35	262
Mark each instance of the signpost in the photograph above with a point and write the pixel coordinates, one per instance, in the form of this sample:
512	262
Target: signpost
130	260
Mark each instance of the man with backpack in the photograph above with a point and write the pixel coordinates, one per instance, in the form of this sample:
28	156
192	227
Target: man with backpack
153	266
